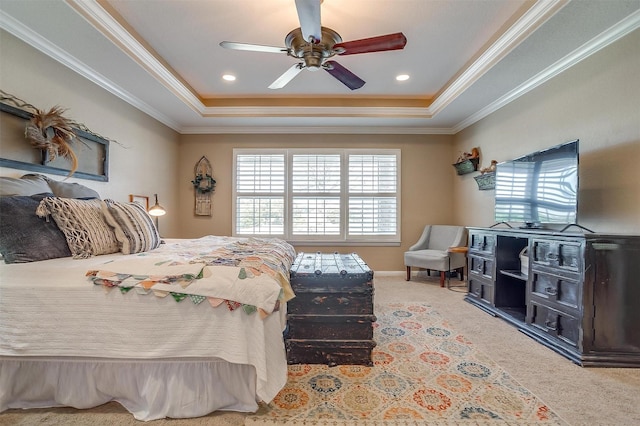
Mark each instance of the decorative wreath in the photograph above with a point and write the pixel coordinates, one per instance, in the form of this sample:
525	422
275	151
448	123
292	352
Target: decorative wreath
204	184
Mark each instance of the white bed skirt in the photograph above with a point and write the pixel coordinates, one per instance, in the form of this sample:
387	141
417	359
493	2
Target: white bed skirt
149	390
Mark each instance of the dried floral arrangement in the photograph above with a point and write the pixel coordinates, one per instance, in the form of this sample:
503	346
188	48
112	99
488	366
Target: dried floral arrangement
50	131
53	133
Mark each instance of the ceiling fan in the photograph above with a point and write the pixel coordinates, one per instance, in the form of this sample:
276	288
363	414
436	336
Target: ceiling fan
315	45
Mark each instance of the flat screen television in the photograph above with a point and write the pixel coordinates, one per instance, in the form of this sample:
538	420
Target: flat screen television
540	188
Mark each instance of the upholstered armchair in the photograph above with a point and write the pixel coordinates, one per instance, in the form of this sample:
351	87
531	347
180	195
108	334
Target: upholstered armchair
433	251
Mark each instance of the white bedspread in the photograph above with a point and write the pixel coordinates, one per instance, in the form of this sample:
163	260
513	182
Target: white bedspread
50	309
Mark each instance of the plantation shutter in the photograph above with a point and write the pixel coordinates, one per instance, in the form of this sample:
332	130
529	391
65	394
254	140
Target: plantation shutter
315	197
373	194
336	196
260	189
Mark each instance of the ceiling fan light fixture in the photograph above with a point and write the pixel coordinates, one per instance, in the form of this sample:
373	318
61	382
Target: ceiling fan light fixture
313	45
402	77
229	77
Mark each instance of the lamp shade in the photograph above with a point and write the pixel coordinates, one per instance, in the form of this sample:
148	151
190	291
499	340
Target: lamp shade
157	209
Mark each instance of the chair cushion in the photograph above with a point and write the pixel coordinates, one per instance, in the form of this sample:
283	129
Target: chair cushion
428	259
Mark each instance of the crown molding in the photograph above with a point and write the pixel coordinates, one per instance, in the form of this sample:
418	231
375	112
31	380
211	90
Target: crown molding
604	39
352	130
394	112
530	21
17	29
97	16
107	25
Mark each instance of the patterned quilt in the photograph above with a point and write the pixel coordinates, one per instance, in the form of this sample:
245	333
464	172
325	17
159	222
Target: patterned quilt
252	274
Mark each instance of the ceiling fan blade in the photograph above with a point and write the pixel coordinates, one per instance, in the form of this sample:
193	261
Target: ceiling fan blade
345	76
253	47
374	44
309	17
286	77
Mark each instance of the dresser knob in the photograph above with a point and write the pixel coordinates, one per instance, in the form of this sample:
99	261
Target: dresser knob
318	300
551	291
551	325
343	300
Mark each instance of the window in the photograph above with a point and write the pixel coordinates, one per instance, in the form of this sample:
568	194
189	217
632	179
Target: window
260	185
324	196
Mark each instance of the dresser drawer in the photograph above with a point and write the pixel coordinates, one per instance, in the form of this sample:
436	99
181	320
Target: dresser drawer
330	327
554	323
564	255
560	292
343	303
482	242
481	289
481	266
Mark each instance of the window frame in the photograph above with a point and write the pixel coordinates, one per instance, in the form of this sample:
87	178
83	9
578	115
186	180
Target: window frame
343	238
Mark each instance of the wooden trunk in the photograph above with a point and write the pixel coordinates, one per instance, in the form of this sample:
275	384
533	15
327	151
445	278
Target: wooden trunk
330	321
330	352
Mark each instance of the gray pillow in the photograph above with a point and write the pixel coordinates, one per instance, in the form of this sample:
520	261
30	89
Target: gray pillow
71	190
24	237
26	185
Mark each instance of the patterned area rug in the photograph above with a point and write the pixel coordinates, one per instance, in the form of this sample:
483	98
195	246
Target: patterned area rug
424	373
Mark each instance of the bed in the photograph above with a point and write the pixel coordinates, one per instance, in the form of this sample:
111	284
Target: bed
174	329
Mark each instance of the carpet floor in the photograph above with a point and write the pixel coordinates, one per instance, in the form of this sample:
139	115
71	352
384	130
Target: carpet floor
577	396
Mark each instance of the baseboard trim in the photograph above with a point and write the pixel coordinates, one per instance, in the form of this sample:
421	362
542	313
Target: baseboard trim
388	273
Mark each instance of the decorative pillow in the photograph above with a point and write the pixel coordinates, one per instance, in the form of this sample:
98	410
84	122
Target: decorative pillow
71	190
26	185
24	237
133	226
83	225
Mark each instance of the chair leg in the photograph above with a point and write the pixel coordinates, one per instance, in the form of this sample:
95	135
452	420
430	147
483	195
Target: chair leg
408	273
461	272
442	278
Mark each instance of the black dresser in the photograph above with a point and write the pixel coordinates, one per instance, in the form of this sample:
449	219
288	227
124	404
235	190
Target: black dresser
330	321
578	294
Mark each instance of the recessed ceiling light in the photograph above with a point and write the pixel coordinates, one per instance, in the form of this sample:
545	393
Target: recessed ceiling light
402	77
229	77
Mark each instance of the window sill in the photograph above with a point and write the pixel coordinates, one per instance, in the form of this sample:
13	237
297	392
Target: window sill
311	243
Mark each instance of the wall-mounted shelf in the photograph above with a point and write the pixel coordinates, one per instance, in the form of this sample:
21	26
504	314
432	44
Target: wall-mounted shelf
486	181
467	166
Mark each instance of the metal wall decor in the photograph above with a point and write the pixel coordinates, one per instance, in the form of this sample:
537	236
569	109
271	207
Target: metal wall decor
467	162
204	184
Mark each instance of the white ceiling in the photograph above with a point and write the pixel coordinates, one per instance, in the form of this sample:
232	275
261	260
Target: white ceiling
466	58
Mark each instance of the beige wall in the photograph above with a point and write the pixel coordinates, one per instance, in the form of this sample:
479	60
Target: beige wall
144	161
596	101
427	182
